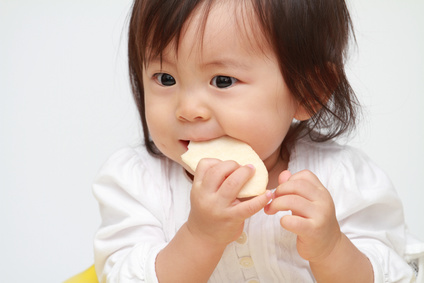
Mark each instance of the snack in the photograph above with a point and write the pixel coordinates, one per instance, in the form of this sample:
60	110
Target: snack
226	148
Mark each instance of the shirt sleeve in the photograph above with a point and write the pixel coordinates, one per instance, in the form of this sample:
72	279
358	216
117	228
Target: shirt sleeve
370	213
131	234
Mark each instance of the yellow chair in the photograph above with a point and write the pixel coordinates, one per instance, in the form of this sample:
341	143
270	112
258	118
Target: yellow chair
87	276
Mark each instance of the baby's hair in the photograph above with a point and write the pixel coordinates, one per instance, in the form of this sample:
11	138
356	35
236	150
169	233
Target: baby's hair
310	40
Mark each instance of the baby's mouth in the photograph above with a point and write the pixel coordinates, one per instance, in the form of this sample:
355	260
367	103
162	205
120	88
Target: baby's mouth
185	143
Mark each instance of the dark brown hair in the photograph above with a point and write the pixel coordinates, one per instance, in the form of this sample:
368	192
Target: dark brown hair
309	37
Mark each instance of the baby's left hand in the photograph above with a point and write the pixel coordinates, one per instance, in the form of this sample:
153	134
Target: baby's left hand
313	217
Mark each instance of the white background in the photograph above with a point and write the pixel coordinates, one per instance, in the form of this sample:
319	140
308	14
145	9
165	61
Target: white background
66	106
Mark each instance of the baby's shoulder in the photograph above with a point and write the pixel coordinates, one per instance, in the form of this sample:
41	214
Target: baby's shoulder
133	168
329	157
311	153
335	162
132	158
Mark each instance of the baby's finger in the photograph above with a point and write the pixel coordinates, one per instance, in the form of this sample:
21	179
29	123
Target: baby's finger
297	204
284	176
202	167
295	224
252	206
308	176
300	187
213	176
232	185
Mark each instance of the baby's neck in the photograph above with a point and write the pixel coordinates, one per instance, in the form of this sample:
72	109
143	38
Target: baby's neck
274	172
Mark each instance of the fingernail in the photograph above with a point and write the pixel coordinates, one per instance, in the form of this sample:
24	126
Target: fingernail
251	166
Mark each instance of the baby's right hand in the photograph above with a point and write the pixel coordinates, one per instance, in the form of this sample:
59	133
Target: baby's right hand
216	214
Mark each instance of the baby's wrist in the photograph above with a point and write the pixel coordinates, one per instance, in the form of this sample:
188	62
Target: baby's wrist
345	262
203	240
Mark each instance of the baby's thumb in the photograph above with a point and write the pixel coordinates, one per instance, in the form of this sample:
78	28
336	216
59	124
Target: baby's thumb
284	177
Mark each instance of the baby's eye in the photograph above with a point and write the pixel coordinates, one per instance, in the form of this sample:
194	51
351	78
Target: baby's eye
223	81
164	79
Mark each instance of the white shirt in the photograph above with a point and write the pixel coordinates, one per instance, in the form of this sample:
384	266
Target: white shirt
144	200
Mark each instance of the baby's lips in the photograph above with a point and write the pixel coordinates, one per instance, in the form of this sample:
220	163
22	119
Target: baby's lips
185	143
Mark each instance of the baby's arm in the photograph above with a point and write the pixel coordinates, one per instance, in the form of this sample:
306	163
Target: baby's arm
216	219
331	255
139	216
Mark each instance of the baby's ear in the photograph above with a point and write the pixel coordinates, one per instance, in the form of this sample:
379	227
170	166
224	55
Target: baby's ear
305	112
302	114
324	83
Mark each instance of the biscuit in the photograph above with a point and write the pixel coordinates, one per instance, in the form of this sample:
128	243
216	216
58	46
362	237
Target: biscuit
226	148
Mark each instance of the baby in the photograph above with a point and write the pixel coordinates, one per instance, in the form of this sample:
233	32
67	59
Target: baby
269	74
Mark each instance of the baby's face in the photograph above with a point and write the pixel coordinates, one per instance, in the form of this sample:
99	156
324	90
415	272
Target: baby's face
222	84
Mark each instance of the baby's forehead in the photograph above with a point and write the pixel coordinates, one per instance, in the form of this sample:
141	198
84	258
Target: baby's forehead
233	20
217	28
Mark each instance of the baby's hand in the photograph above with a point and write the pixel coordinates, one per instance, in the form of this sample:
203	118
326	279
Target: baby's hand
216	214
313	217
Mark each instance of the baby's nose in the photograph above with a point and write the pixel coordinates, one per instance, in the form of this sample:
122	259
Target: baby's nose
191	108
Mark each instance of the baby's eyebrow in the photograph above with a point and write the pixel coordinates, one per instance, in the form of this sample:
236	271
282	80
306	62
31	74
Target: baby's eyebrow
161	60
225	63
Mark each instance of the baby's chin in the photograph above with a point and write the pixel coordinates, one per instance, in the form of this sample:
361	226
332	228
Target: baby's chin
186	168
